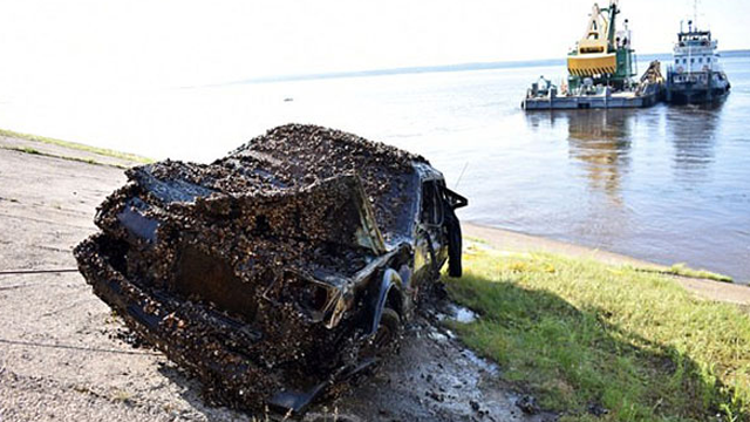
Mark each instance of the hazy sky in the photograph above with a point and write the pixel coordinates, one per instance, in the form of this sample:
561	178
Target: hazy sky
53	45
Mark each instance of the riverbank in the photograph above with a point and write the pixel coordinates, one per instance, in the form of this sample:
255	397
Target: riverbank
74	151
505	240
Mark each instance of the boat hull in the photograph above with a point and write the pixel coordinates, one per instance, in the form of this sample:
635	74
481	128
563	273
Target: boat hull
696	87
585	102
649	97
695	95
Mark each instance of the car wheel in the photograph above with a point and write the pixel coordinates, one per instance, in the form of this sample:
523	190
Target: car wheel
388	330
454	250
384	341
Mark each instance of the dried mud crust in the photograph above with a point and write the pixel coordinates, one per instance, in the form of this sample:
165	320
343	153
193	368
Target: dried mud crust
301	154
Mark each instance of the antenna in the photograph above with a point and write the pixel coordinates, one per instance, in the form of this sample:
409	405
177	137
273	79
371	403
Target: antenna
695	14
460	176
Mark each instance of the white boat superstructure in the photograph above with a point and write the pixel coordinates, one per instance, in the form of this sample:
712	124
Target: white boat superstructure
696	52
696	75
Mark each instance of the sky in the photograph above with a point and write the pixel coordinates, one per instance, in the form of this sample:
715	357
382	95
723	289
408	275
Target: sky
53	46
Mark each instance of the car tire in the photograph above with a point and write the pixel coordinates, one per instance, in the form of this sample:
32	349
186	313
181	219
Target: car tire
389	329
455	268
383	343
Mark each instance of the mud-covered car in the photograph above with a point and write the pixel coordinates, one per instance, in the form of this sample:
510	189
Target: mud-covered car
279	270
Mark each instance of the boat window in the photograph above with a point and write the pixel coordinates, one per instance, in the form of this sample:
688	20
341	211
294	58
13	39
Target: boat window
700	60
708	60
676	61
692	60
684	61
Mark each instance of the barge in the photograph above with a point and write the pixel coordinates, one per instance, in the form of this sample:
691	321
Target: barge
600	71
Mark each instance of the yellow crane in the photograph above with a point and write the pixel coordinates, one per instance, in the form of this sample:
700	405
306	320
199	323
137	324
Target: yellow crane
603	53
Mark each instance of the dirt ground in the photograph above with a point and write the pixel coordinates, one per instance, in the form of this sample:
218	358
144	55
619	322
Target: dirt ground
64	356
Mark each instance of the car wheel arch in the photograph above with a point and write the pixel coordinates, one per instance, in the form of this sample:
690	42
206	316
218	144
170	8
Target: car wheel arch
389	295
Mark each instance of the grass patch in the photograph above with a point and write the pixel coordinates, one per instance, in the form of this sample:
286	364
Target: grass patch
89	161
476	240
580	334
29	150
77	146
122	396
683	270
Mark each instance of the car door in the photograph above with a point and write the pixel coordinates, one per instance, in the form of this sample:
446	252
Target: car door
429	252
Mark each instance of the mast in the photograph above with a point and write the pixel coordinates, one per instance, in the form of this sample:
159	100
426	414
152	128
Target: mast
695	14
690	48
613	11
692	26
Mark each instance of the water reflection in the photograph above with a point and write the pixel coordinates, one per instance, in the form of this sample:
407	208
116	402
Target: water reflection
601	141
598	140
664	183
598	151
692	132
537	121
668	184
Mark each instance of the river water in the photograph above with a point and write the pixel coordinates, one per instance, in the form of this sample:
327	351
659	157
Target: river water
667	184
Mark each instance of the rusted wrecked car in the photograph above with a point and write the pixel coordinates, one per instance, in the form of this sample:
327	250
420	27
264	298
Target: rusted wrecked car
279	270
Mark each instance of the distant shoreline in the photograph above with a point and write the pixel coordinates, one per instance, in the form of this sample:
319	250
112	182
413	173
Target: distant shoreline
459	67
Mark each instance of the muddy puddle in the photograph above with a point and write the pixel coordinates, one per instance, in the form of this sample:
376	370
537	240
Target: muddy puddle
432	378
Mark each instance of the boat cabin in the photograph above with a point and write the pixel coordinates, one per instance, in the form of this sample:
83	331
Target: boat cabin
695	51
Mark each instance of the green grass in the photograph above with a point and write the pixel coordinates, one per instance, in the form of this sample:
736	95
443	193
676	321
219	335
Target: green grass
77	146
579	333
477	240
684	271
29	150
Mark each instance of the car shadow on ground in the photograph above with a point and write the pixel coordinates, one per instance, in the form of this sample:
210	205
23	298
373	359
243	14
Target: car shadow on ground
191	390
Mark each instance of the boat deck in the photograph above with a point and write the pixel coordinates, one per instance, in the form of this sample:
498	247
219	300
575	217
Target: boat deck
614	100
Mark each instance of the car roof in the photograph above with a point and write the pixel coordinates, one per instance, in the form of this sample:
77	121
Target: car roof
298	155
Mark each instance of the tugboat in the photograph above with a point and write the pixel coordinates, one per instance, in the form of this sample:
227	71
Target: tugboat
696	75
600	71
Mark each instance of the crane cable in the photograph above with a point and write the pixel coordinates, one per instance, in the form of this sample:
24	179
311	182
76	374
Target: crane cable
26	272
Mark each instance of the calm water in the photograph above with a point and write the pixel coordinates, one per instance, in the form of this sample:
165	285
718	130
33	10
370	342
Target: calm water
665	184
